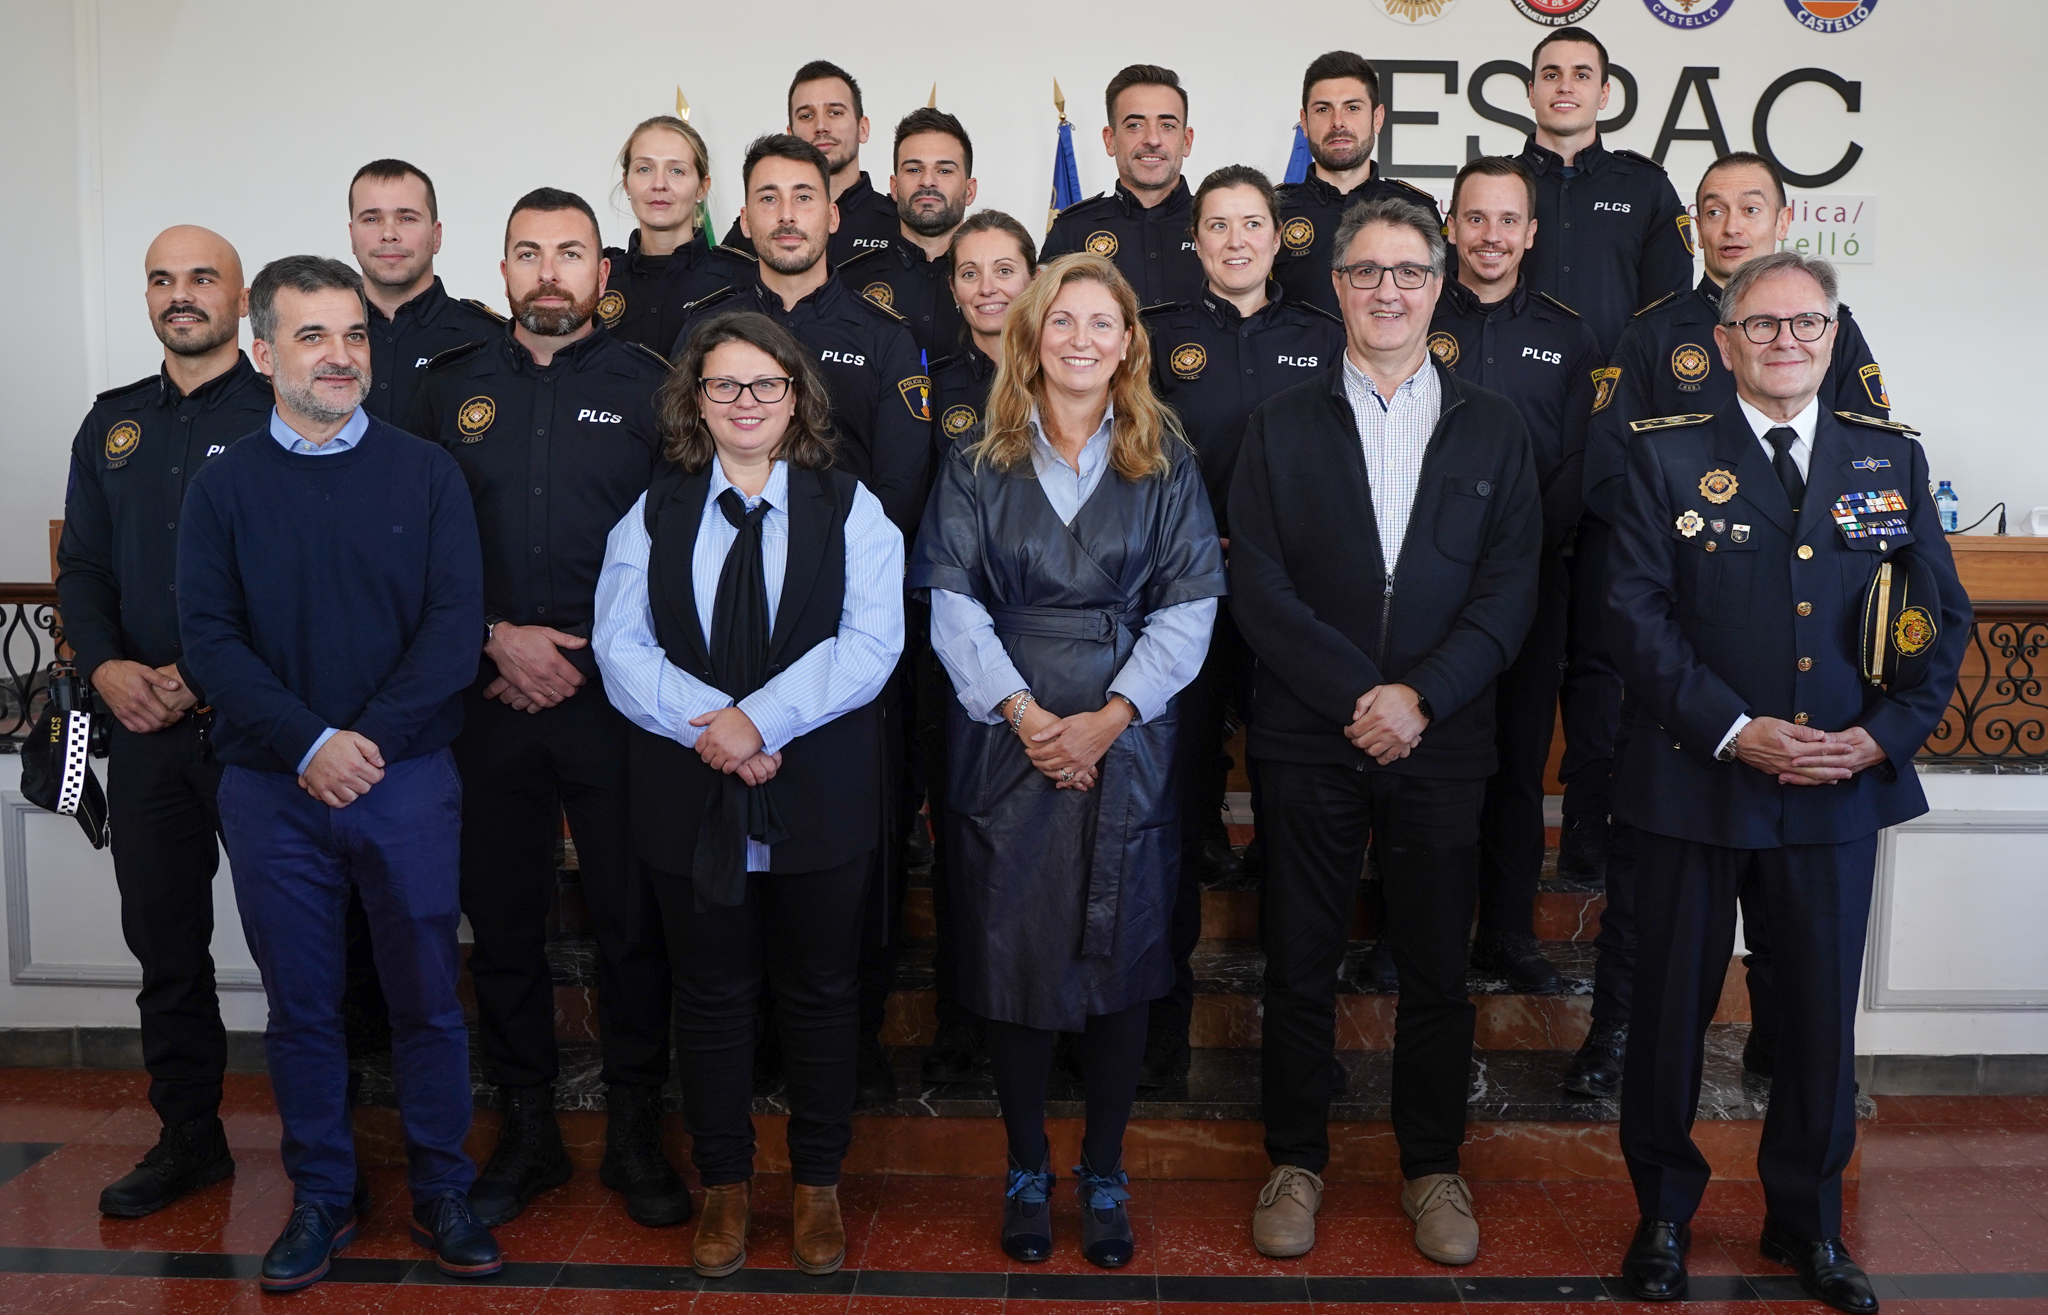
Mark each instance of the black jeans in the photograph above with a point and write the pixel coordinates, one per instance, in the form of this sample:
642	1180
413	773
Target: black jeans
1424	831
1525	714
520	772
1591	694
161	791
799	934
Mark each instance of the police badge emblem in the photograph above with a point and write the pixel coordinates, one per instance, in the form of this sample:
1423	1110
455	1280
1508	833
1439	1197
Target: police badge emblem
474	417
1102	243
611	308
1740	534
881	294
1690	523
1187	360
1298	235
1913	632
917	395
957	420
122	440
1691	364
1717	486
1444	347
1415	11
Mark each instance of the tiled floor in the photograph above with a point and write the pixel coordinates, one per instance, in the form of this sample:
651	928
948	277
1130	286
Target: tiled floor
1954	1194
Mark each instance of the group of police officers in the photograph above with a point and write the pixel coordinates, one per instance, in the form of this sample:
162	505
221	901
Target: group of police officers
1570	293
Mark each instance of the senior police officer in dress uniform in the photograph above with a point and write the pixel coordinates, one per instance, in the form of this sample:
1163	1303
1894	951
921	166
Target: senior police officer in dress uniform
826	110
1491	329
116	565
933	185
1341	118
1759	553
1142	225
553	424
394	225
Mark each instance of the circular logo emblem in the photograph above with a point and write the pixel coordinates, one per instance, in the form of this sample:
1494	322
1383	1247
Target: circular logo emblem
1913	632
1830	15
1187	361
611	307
1298	235
957	420
1102	243
1444	347
1689	13
1416	11
475	417
121	440
1717	486
1691	364
881	294
1555	13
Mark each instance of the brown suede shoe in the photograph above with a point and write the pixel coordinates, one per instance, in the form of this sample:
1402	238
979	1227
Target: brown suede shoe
1441	1206
820	1233
720	1246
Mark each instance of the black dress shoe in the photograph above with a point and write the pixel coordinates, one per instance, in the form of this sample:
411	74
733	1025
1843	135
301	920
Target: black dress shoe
1216	862
1582	850
529	1160
299	1257
1654	1268
1374	970
1826	1272
1027	1212
1106	1237
1596	1069
633	1163
186	1156
462	1246
1517	959
874	1080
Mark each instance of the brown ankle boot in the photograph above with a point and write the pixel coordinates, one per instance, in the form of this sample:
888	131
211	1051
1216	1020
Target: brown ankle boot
720	1246
820	1233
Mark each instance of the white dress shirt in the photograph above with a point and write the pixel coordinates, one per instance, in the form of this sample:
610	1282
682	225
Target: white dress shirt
1394	435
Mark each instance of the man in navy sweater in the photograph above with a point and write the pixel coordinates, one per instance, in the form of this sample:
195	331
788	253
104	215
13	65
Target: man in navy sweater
330	599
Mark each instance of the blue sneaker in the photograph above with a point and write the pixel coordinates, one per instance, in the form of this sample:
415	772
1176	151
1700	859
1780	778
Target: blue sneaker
1027	1218
1106	1237
462	1246
311	1236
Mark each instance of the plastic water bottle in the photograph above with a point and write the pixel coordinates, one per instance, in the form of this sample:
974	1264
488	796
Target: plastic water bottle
1950	508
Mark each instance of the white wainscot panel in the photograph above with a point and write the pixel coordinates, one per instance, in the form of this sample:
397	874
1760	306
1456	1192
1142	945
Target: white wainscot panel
1961	898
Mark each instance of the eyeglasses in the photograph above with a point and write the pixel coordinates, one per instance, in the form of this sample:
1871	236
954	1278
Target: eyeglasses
1366	275
1763	330
767	391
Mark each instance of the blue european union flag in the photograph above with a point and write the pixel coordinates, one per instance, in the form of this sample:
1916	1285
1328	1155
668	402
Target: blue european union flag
1066	177
1298	160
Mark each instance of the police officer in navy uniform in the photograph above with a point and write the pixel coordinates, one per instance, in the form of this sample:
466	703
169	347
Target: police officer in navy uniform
669	260
992	261
553	424
1492	330
1341	118
1143	224
933	184
1667	365
825	109
116	562
1769	744
394	224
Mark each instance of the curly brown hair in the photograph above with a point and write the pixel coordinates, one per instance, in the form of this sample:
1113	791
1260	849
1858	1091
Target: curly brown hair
808	443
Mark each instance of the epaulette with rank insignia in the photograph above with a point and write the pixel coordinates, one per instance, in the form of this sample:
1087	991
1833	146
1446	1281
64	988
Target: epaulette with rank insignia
1667	422
453	354
1655	304
1434	204
1083	201
858	256
738	253
644	350
473	302
1162	308
1314	309
1857	418
1558	304
710	299
1640	158
877	306
126	388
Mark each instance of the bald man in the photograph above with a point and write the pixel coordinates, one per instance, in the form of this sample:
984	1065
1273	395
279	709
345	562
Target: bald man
130	465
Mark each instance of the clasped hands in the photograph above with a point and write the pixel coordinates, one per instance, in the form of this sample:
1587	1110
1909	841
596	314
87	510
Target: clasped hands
1806	755
143	699
730	742
1387	723
1067	749
532	673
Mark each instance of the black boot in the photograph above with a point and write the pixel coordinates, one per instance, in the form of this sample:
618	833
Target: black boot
1166	1058
958	1052
874	1079
186	1155
633	1163
529	1160
1517	959
1216	863
1596	1069
1027	1214
1106	1237
1582	850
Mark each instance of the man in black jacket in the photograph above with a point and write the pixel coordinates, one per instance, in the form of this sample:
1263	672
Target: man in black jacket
1384	548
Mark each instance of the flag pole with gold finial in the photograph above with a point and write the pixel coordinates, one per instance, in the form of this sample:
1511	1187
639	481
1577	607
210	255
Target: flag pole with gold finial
704	223
1066	177
932	101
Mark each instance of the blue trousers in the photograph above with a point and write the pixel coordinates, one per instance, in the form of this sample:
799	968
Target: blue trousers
294	860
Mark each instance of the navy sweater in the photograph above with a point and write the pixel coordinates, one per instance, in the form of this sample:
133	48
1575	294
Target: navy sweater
343	590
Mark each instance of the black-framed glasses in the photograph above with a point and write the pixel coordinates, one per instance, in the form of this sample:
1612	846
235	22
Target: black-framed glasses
1366	276
767	391
1763	330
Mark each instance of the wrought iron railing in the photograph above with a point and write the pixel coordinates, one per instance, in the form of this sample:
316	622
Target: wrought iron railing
29	639
2000	709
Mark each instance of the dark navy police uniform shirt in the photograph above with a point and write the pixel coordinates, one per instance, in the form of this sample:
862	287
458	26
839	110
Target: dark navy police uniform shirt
1310	211
401	346
645	296
898	278
1154	248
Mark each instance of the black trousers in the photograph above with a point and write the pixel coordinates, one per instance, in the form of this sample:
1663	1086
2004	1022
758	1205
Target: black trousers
934	690
1590	697
161	791
799	935
882	918
1425	838
1525	715
520	772
1817	901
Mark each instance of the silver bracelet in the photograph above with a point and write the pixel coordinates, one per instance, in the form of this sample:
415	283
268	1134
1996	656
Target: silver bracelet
1024	700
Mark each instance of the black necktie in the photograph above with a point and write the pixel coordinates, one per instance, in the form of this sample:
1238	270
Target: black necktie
1781	439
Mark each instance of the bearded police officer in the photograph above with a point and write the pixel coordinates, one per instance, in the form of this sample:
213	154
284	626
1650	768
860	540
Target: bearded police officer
553	424
1143	224
825	109
116	564
1341	118
933	184
1491	329
1789	623
394	224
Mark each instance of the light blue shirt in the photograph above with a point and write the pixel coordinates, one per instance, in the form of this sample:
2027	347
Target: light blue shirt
1167	656
292	441
830	681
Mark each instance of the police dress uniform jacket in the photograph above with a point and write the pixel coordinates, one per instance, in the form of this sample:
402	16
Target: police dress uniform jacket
1153	247
1213	366
1310	212
1535	351
1329	619
1063	897
1611	237
645	297
130	464
899	278
867	221
1725	605
403	345
1668	364
880	394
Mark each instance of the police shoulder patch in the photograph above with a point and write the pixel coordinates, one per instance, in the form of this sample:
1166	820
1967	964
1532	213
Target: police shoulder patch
453	354
917	395
1666	299
1873	422
1639	158
474	304
1667	422
1604	380
112	393
1544	296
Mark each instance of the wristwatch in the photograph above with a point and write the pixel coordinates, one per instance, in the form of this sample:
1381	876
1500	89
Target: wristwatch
1422	706
490	624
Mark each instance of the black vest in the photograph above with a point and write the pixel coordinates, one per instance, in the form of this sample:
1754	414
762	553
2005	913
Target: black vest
829	788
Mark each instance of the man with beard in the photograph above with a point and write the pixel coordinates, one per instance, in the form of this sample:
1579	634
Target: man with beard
553	424
933	185
825	109
1341	116
394	224
130	463
1146	224
330	599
